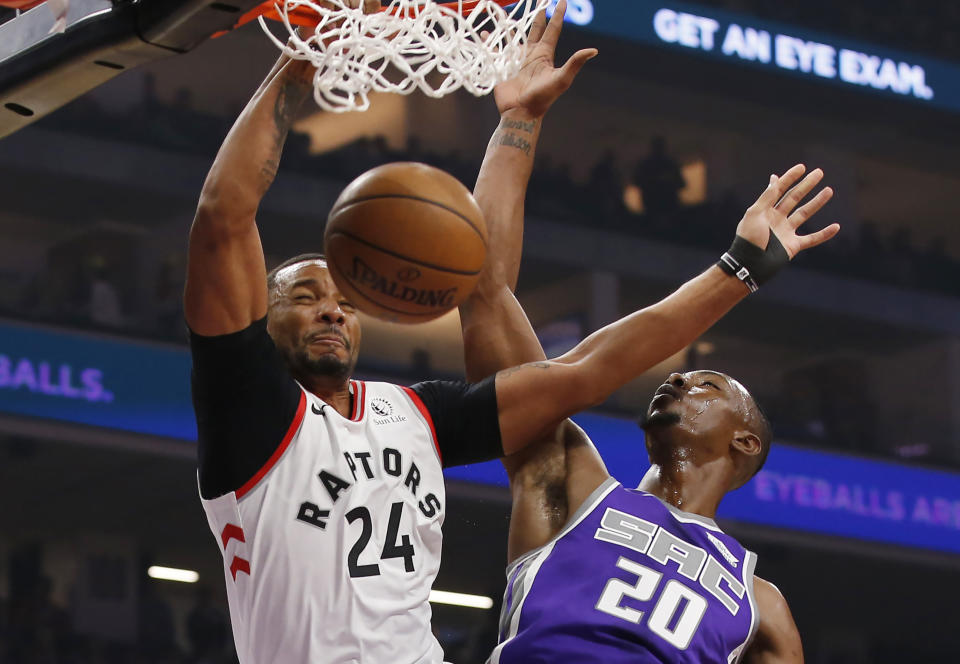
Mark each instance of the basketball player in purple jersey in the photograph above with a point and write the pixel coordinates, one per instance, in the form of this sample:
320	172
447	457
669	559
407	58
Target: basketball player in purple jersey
598	572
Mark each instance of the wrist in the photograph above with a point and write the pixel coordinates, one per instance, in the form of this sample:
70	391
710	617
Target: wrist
299	73
751	264
517	114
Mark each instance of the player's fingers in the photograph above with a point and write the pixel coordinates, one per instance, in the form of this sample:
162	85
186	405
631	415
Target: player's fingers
804	213
805	242
573	66
779	185
790	178
552	33
371	6
799	192
538	27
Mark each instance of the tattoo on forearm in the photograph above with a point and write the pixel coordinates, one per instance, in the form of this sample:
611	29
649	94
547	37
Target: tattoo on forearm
289	99
532	365
268	172
508	135
512	140
528	127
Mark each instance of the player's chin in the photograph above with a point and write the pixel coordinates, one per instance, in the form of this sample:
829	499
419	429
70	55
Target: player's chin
657	418
336	352
328	363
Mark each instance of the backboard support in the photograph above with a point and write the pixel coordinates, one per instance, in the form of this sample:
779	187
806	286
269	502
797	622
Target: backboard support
40	72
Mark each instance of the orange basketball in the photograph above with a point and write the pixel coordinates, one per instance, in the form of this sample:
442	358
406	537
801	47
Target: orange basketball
406	242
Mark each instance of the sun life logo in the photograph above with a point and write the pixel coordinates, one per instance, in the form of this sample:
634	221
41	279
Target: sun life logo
381	407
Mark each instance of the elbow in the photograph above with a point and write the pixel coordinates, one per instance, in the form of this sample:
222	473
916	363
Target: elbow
219	217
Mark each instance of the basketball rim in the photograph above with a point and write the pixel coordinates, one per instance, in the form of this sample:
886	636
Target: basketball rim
306	17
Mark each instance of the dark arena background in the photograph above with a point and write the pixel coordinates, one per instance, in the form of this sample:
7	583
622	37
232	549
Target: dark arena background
854	351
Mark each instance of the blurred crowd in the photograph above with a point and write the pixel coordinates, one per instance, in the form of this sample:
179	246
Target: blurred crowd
35	629
637	195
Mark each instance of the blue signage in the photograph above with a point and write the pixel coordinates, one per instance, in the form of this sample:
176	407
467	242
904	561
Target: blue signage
758	43
96	380
801	489
145	388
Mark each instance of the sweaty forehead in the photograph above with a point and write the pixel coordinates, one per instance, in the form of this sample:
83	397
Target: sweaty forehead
728	384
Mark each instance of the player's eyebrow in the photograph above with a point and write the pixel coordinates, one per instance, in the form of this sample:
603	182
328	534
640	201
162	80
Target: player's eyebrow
305	282
717	374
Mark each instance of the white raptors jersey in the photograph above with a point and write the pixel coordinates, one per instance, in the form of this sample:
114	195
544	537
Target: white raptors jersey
330	551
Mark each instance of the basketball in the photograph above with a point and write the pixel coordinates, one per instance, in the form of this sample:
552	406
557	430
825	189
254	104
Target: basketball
406	242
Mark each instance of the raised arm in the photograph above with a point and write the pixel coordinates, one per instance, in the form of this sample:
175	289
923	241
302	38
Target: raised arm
226	286
535	397
496	332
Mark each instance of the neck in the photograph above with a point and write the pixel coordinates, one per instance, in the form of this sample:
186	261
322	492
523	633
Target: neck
688	485
335	393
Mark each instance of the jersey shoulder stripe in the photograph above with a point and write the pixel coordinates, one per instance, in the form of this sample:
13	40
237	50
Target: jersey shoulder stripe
425	412
281	448
359	400
749	564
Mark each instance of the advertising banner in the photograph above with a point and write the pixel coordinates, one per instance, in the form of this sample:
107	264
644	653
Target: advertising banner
739	39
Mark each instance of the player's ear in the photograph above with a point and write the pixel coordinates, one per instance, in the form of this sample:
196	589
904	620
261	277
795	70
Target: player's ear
746	443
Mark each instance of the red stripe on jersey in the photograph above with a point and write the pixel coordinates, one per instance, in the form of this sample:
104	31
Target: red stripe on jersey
230	531
239	565
418	402
359	399
277	453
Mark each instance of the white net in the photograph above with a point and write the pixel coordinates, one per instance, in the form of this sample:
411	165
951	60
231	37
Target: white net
435	49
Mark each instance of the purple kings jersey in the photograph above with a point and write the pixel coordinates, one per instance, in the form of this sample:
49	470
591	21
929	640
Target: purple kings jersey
630	579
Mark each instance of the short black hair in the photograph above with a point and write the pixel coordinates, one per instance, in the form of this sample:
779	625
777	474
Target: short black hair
302	258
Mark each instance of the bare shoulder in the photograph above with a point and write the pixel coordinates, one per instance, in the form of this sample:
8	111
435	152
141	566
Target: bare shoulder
777	640
769	596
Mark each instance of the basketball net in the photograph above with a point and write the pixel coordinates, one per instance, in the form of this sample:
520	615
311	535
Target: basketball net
434	48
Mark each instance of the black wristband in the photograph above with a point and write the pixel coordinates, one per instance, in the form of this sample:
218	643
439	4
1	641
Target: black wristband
751	264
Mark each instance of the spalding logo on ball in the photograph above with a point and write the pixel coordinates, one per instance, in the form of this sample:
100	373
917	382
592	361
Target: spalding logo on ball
406	242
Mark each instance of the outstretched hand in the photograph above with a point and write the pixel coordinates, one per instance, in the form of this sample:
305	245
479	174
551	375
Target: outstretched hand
776	210
539	83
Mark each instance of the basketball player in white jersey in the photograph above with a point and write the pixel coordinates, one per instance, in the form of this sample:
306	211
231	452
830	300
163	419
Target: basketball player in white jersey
325	494
705	435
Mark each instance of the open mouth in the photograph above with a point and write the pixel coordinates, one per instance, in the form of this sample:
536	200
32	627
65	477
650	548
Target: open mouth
667	390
